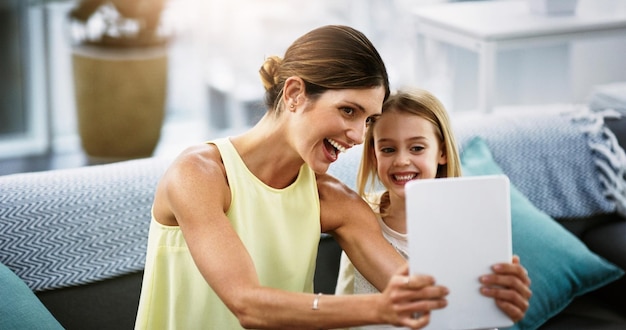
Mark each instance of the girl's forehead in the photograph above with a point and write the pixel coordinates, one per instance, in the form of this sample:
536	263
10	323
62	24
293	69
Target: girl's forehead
402	123
399	116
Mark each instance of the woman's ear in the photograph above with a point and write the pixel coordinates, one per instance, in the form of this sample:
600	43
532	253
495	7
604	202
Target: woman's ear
293	92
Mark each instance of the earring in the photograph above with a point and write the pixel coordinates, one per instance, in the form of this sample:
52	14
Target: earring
291	106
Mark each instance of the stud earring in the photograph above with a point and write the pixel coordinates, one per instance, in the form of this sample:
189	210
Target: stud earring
291	106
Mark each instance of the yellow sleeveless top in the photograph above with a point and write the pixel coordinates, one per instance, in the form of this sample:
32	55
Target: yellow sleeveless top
279	227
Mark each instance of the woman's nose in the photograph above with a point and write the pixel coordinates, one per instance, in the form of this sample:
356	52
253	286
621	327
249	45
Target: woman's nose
356	133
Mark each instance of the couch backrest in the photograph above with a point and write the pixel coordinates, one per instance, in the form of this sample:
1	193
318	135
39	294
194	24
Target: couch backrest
73	226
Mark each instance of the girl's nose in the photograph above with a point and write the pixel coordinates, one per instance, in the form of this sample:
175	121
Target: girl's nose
401	159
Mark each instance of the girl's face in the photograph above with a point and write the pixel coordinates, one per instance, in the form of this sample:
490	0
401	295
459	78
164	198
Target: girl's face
334	123
406	148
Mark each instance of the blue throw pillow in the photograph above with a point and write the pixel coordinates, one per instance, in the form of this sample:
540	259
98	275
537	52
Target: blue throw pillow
560	266
19	306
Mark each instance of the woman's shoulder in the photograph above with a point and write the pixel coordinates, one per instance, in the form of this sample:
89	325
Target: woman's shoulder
330	187
194	176
339	204
195	163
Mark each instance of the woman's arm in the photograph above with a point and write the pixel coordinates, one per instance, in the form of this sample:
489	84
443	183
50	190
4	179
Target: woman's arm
353	224
194	195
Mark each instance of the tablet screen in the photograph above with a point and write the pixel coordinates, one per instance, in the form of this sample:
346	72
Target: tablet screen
457	229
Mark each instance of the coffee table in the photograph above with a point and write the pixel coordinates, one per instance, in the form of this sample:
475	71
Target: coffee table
486	27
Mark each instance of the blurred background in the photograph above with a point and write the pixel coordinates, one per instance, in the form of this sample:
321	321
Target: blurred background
216	47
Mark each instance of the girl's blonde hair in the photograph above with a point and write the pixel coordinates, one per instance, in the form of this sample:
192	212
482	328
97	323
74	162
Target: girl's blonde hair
421	103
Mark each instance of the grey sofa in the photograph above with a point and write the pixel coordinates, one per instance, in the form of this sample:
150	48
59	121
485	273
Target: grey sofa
76	237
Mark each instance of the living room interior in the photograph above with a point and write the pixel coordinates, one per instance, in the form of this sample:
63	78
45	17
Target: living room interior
505	66
215	51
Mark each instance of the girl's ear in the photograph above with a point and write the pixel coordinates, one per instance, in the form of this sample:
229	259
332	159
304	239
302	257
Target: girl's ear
293	92
443	157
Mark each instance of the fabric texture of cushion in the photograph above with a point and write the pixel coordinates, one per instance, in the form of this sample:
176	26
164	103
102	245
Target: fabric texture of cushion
19	307
547	152
560	266
76	226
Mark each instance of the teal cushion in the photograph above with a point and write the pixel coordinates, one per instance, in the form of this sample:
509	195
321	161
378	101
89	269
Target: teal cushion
560	266
19	306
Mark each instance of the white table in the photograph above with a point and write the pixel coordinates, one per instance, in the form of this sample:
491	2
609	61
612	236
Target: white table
485	27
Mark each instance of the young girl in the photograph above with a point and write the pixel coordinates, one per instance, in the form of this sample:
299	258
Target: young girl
411	140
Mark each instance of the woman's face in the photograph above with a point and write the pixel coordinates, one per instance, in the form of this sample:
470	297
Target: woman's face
406	148
334	122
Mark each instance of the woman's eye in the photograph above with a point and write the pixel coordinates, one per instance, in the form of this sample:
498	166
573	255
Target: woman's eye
371	120
347	110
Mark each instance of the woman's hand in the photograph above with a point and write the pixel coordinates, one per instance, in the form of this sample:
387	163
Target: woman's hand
509	285
408	299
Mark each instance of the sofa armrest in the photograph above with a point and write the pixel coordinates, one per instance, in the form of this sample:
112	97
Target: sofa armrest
609	241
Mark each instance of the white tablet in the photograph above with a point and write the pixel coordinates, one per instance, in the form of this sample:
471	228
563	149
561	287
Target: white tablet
457	229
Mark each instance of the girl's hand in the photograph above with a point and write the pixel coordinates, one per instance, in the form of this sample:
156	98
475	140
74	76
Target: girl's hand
509	285
408	299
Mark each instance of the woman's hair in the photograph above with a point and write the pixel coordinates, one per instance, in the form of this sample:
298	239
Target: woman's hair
421	103
329	57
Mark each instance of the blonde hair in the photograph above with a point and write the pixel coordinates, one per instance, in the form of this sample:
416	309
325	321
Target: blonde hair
421	103
329	57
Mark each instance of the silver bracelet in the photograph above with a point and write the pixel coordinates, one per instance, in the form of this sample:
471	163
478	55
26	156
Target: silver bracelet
316	301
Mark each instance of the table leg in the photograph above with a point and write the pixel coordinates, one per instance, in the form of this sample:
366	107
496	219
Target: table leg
486	76
420	65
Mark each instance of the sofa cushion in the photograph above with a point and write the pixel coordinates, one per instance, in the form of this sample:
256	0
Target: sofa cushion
563	151
560	266
19	307
75	226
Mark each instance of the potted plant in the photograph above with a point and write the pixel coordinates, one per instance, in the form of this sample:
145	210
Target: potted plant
119	61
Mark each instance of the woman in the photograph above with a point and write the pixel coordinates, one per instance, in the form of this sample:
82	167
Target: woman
236	221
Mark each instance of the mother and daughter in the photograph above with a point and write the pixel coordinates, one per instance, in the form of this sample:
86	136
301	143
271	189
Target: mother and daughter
236	221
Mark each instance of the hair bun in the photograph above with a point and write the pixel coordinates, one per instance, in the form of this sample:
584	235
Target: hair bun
269	72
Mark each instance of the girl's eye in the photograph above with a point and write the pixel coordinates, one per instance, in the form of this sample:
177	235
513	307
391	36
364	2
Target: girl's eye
417	148
387	150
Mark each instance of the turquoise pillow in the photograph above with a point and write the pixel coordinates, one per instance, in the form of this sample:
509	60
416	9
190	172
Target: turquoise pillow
19	306
560	266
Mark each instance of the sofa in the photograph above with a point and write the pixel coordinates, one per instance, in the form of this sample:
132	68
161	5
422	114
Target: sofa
76	237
